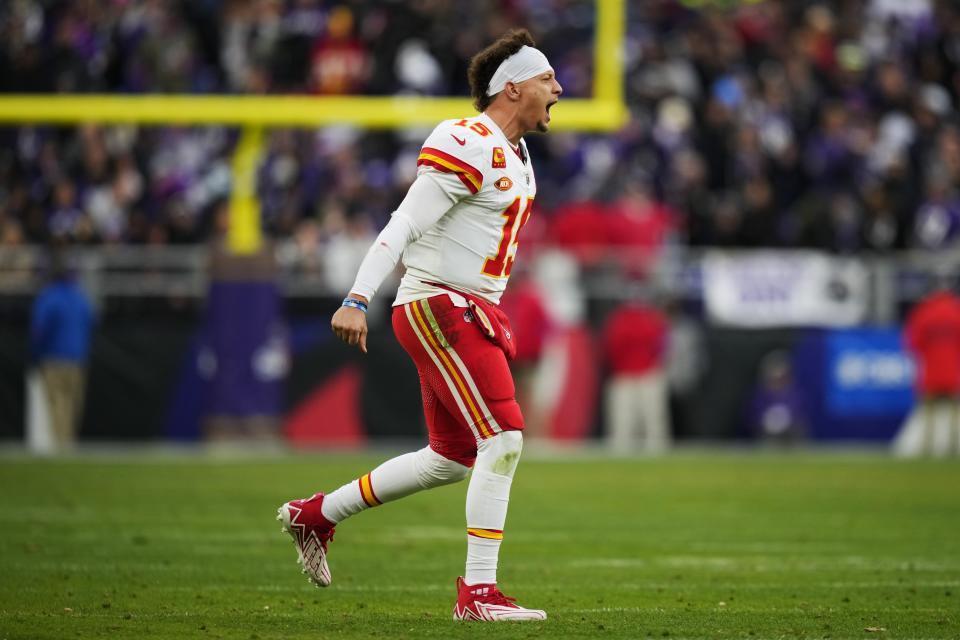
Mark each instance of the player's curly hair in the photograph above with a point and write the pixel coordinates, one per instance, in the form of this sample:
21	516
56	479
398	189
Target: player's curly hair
485	64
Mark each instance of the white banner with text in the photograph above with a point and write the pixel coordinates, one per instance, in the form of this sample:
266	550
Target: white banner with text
784	288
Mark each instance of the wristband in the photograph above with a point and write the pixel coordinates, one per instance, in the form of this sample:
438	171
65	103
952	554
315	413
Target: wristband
356	304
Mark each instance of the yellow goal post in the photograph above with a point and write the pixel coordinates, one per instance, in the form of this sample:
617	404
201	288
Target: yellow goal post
605	110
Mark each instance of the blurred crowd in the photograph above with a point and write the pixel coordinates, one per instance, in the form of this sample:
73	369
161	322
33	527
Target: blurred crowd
815	124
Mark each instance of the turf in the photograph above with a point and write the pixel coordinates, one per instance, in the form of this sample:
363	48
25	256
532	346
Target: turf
687	546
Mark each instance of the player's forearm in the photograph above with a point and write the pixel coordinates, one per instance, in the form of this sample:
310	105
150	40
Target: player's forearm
381	259
424	205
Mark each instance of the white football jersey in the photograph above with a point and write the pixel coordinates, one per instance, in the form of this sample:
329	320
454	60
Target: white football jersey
473	246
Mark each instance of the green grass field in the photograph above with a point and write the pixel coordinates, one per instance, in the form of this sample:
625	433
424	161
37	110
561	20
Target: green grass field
690	546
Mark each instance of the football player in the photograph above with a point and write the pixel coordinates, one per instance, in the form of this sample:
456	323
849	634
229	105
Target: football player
457	232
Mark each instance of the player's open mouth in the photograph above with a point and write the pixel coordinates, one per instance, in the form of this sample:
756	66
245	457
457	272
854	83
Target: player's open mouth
548	109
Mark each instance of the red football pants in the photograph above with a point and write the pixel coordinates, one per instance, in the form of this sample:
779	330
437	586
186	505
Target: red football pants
467	387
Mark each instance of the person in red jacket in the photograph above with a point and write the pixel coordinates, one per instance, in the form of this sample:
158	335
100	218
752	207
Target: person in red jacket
636	403
932	334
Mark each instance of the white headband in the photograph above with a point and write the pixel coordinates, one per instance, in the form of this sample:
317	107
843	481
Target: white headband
523	65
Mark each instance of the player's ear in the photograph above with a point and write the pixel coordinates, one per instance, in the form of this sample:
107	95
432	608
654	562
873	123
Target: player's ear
513	91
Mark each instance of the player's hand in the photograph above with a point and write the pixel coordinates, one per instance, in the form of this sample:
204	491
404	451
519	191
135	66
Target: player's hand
350	325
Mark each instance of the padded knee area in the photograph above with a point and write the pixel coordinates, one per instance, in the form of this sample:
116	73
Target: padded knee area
501	453
434	470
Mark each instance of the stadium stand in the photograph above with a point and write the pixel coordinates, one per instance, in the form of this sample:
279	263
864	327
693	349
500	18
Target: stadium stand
798	124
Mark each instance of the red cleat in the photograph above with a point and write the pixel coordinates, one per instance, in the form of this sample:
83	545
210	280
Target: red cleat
485	603
311	532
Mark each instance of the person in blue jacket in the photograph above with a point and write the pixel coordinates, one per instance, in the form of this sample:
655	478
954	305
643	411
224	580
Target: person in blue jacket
61	327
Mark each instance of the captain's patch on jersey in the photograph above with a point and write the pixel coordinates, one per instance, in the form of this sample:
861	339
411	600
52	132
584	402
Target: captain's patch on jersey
503	183
499	159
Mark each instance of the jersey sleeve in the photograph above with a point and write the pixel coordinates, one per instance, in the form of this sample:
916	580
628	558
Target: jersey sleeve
425	204
452	154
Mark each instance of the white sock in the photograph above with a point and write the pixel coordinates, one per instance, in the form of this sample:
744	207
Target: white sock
482	556
396	478
487	499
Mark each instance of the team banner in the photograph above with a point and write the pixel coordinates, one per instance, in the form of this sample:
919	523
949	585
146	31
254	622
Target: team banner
784	289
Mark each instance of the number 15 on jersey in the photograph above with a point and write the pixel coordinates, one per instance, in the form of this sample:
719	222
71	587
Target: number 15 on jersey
500	265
